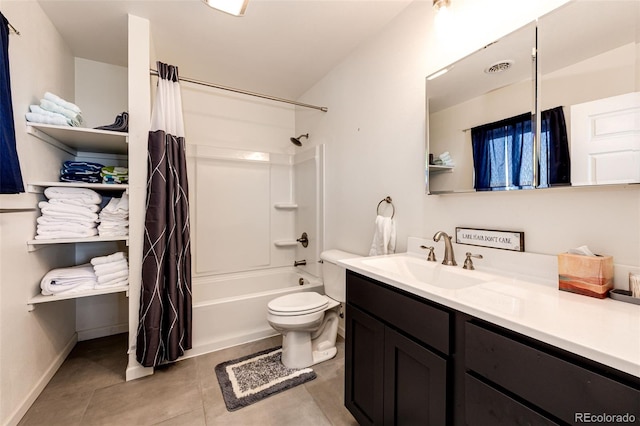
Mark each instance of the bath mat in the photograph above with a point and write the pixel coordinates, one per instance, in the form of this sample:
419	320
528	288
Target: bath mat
249	379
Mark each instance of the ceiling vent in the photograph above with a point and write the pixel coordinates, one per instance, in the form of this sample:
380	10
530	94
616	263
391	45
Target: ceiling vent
498	67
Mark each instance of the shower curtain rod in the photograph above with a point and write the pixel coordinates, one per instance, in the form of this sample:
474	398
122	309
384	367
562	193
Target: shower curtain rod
244	92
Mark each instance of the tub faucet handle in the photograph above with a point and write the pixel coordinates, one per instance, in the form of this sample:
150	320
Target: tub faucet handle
431	257
299	262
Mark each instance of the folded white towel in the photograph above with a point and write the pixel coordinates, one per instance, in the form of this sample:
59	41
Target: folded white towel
54	235
384	237
115	232
68	227
74	117
111	267
72	212
112	276
117	206
49	220
74	278
101	260
33	117
87	195
63	103
115	283
74	204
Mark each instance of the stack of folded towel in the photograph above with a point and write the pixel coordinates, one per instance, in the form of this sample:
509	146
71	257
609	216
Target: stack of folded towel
121	124
68	213
114	218
55	110
100	272
81	171
444	159
69	280
113	174
111	270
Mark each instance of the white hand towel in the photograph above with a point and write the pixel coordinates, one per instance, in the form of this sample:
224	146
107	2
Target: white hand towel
54	235
48	220
384	237
113	276
111	267
74	278
100	260
114	283
59	101
33	117
87	195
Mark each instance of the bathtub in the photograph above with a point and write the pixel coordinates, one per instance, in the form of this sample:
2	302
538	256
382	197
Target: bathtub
231	309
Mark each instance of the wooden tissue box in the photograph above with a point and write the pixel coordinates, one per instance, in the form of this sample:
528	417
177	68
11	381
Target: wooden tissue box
588	275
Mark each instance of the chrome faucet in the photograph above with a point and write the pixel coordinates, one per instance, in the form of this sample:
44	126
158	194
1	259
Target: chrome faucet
449	256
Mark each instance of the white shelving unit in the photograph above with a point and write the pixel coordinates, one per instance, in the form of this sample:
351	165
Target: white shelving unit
78	141
440	169
39	298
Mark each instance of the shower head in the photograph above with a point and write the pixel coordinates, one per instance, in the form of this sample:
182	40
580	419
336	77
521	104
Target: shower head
296	141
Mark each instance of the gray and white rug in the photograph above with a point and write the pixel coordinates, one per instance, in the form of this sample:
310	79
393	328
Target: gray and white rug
249	379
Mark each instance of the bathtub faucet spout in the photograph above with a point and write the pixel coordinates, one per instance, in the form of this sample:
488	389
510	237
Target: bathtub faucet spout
299	262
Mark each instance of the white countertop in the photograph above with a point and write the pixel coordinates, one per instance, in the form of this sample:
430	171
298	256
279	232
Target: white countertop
603	330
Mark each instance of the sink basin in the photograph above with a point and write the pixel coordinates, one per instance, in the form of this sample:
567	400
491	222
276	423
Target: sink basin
431	273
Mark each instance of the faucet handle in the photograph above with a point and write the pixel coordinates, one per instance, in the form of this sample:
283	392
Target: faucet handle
468	263
431	257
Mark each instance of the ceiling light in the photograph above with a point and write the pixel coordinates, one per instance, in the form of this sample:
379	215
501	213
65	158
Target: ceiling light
232	7
441	4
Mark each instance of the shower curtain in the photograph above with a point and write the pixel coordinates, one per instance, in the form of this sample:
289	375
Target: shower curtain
164	329
10	174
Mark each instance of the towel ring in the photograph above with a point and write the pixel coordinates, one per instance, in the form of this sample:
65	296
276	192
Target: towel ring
389	201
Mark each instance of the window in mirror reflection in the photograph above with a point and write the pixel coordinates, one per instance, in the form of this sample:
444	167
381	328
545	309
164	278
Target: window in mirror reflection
503	152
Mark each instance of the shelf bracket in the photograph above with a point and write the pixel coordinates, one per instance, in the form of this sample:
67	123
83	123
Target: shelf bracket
48	139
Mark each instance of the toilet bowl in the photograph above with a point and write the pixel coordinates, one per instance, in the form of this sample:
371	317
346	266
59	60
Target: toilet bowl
308	321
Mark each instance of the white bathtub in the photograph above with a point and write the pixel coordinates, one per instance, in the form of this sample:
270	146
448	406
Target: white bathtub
231	309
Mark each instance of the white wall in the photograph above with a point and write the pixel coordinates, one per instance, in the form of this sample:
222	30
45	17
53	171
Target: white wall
101	91
374	132
32	344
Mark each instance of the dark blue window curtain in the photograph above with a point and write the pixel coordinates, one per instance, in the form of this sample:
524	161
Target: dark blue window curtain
10	175
555	163
503	154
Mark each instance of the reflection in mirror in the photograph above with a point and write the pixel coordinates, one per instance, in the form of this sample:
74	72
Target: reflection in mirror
588	63
490	85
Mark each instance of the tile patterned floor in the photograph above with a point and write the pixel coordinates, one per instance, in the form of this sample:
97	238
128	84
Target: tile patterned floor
89	389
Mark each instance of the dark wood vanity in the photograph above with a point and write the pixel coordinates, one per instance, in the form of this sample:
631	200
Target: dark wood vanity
410	361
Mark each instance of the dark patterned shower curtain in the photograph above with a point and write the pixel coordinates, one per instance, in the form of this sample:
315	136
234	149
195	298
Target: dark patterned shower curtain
10	175
164	329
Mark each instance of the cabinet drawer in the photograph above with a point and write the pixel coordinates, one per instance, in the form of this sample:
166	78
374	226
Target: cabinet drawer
485	405
417	318
556	385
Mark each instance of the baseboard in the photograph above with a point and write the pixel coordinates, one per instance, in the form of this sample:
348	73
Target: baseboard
95	333
28	401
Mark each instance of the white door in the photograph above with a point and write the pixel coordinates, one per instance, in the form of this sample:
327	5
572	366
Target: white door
605	141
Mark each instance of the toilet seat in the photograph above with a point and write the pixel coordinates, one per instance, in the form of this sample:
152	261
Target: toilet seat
298	304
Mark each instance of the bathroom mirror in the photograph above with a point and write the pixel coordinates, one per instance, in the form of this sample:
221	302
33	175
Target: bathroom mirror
589	64
588	69
492	84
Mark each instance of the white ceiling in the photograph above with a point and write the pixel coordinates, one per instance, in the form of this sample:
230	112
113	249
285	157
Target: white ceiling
278	48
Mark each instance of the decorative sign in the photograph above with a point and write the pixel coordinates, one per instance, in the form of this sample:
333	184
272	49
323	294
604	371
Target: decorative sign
505	240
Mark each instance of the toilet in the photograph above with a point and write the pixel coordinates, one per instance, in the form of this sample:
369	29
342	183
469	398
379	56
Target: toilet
308	321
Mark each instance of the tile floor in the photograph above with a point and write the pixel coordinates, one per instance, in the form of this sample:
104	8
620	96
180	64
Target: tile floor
89	389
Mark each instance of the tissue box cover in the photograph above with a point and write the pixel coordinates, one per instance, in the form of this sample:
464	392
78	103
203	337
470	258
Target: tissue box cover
588	275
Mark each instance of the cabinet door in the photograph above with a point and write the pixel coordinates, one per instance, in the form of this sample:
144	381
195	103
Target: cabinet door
364	351
415	383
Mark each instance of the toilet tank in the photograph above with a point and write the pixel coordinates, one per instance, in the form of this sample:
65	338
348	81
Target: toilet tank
334	275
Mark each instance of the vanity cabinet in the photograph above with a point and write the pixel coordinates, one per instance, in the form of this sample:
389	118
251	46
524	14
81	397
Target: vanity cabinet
411	361
397	356
513	379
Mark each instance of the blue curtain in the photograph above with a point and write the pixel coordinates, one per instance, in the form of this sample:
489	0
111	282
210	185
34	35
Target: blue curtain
503	154
555	163
10	175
